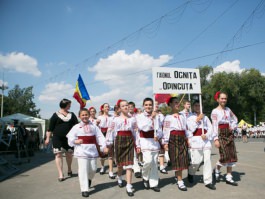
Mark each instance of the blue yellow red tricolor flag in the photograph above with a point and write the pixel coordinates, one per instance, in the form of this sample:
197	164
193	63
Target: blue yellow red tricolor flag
81	94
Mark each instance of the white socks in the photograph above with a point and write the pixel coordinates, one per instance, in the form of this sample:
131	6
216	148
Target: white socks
119	179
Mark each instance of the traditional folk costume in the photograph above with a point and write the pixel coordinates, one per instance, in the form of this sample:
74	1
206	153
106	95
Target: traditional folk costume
185	113
175	135
200	150
224	120
162	152
149	147
93	120
86	153
136	159
105	122
122	134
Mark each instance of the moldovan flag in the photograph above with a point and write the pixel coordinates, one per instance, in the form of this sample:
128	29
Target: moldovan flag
81	94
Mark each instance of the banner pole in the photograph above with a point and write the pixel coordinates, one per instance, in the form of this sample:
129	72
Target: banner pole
200	97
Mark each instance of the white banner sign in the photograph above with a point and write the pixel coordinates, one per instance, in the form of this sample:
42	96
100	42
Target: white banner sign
176	80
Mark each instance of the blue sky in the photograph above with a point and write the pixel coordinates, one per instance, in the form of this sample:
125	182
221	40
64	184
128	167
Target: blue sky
46	44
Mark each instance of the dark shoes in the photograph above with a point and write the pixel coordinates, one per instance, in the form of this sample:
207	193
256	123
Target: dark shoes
138	175
112	176
182	188
61	179
85	194
190	178
233	183
102	171
216	176
120	184
211	186
130	193
164	171
89	183
70	174
156	189
146	184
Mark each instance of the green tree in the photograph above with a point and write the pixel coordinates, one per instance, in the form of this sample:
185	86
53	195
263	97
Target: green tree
20	100
245	92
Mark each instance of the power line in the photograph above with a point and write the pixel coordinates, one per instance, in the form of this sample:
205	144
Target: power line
186	60
205	29
149	29
249	21
177	62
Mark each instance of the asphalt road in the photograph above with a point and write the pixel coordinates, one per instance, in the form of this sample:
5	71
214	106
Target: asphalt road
38	179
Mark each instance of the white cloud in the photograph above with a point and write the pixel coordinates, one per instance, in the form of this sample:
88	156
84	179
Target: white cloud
54	92
229	67
119	72
20	62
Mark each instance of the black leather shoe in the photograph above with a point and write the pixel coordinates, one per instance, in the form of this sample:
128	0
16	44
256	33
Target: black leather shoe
233	183
217	179
89	183
70	174
182	188
102	171
190	178
156	189
112	177
138	175
130	193
211	186
164	171
146	184
61	179
120	184
85	194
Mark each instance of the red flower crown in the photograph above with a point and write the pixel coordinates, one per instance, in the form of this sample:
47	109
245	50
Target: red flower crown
118	102
216	96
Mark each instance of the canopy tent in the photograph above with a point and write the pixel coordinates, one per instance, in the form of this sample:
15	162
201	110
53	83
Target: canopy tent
242	122
27	120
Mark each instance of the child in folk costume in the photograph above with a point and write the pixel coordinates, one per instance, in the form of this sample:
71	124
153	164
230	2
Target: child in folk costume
89	142
147	143
104	122
186	111
224	122
92	113
162	152
122	134
175	138
200	145
136	167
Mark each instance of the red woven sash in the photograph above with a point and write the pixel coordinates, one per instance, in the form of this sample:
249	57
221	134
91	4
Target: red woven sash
147	134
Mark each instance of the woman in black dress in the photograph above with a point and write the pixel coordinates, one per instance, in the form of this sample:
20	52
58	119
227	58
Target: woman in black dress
60	124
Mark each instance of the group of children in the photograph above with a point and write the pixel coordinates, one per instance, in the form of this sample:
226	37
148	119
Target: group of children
130	138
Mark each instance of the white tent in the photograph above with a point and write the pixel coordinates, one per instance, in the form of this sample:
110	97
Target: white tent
27	120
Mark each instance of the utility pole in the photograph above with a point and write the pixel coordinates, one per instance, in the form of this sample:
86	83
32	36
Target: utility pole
3	87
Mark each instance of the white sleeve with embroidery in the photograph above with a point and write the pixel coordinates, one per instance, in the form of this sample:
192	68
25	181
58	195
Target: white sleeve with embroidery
110	134
72	136
192	125
100	138
214	117
233	120
209	126
166	131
